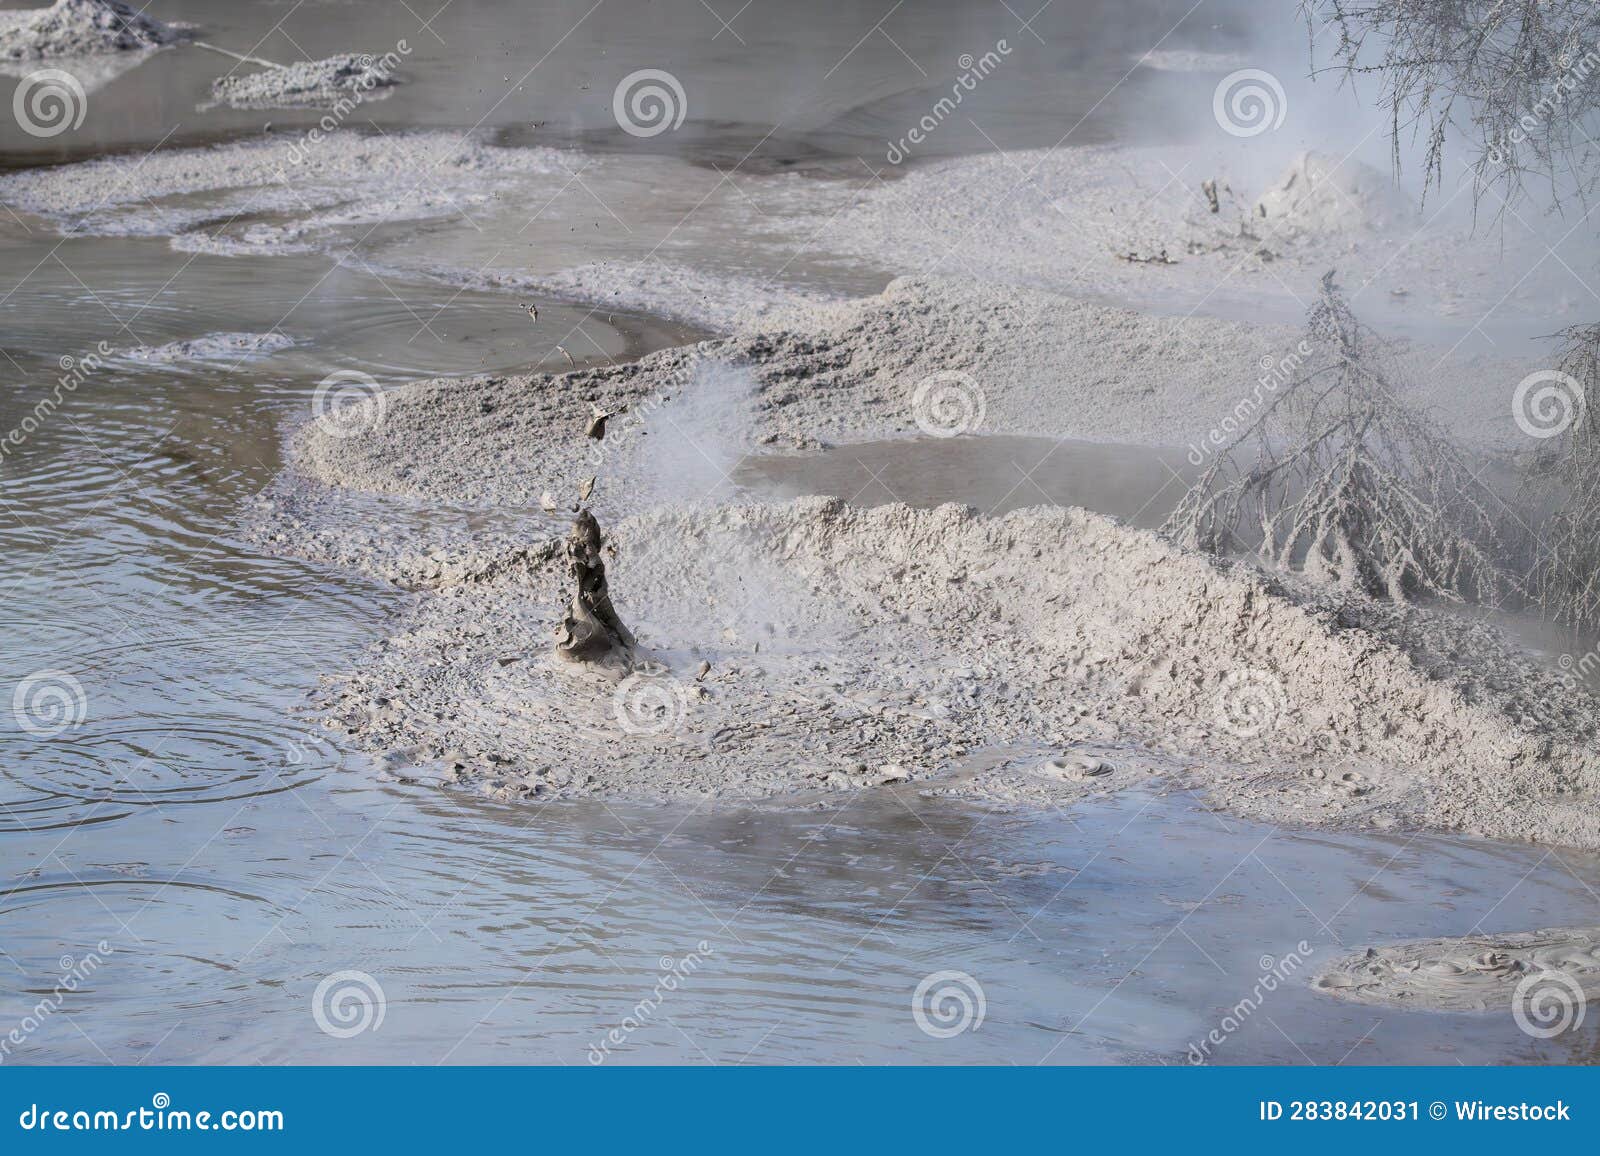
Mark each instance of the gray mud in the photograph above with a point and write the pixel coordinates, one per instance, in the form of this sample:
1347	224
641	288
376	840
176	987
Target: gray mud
71	28
848	647
305	83
212	347
916	648
1541	974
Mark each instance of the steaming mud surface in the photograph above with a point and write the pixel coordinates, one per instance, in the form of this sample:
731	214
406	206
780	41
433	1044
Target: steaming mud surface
235	855
1106	655
722	247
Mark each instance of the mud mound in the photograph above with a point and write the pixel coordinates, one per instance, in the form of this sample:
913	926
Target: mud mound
1536	973
1328	196
850	647
304	84
83	28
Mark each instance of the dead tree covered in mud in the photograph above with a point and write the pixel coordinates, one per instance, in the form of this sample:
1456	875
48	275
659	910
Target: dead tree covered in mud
1342	481
1566	477
1515	84
1510	81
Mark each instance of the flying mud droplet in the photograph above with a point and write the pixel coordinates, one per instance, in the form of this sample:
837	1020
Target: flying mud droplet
596	428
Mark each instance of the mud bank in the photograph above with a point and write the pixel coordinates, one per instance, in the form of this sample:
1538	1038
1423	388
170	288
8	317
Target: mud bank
1026	658
107	196
1537	973
1032	657
928	357
1110	223
1136	224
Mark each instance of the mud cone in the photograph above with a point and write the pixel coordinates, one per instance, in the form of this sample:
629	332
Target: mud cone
591	629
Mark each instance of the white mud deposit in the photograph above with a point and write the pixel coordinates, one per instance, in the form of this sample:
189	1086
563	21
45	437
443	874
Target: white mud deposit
70	28
1542	974
946	647
305	84
1096	221
422	175
1329	198
1093	222
212	347
993	360
850	647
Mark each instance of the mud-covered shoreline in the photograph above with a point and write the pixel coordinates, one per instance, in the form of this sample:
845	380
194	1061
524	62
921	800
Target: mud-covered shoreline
1077	640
